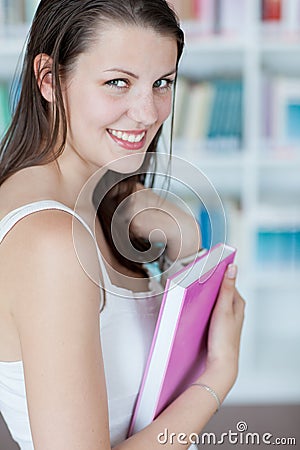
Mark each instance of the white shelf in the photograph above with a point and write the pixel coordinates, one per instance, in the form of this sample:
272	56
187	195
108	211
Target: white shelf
278	46
224	172
193	66
280	279
280	160
276	217
216	44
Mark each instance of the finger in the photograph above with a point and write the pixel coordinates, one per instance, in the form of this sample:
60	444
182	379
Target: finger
238	303
227	290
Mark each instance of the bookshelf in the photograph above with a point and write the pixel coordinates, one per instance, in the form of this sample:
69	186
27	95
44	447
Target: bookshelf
258	181
261	180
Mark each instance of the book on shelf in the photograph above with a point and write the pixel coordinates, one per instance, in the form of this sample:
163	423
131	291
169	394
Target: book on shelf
210	112
181	105
281	16
212	223
281	111
291	16
211	16
278	248
12	12
2	17
207	18
186	10
16	12
222	224
271	10
233	17
5	115
178	352
195	120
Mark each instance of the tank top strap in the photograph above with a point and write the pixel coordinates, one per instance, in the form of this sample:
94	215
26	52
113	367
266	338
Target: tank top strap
12	218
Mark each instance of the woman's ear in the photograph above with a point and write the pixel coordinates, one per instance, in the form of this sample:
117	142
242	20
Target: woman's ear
43	74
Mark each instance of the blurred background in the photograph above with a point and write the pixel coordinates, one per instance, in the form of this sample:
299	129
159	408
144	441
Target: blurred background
237	121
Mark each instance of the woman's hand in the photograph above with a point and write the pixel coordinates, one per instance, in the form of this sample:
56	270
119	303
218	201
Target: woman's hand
224	335
163	221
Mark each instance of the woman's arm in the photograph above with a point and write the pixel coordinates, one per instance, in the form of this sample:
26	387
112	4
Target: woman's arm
56	309
152	214
55	305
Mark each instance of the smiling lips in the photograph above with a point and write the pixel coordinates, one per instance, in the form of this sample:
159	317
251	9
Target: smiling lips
132	140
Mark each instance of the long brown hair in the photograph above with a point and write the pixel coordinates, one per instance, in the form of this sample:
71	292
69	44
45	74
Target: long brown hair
64	29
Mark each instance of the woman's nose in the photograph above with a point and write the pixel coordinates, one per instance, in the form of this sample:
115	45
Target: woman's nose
143	109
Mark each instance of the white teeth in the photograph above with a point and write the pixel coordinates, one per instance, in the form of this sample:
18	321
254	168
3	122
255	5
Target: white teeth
132	138
140	137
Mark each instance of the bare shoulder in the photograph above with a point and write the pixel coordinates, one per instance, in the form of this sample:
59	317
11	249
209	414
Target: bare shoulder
48	247
27	186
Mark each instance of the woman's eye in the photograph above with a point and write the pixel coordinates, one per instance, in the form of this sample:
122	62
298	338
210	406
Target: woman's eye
120	84
163	84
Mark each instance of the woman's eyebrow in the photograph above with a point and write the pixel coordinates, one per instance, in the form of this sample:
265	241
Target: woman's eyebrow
119	70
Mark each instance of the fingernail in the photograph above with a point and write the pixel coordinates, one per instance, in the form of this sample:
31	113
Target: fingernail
232	271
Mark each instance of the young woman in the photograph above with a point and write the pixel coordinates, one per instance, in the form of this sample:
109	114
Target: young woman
96	90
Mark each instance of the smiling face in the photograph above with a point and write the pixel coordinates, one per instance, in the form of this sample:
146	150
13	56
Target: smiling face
118	96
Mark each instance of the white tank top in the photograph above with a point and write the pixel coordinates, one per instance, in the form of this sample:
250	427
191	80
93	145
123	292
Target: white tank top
127	327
